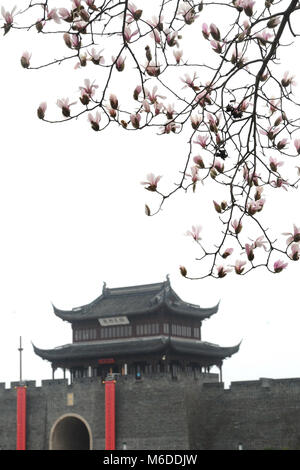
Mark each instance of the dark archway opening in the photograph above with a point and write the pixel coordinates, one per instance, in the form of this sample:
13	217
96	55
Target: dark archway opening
70	433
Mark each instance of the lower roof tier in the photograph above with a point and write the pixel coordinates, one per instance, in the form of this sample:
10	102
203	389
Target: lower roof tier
136	347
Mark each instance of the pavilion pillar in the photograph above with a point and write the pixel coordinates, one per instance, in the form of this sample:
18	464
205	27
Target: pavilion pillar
221	375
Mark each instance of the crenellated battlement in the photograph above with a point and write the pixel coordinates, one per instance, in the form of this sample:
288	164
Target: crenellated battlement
158	411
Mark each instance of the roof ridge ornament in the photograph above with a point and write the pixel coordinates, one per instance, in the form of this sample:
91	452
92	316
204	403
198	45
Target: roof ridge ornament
104	288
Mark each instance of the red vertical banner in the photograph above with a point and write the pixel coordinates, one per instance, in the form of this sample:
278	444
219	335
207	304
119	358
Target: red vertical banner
21	418
110	415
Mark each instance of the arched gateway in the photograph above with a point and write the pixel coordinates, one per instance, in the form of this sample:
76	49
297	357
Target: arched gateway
70	432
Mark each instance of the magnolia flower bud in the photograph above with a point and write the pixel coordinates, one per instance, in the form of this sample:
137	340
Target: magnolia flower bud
25	60
67	40
217	207
213	173
147	210
85	99
183	271
273	22
84	15
136	92
113	101
41	110
39	26
148	53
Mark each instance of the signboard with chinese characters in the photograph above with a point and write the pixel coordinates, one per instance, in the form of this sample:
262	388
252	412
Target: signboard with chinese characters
111	321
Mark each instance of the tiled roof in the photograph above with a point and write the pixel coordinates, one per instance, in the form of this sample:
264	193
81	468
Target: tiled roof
119	347
134	300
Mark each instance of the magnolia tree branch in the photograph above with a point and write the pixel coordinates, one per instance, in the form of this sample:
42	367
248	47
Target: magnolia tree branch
237	116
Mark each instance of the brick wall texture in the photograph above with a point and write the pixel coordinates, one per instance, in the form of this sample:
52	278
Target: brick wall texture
160	413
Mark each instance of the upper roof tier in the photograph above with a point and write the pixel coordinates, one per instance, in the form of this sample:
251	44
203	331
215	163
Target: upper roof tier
135	300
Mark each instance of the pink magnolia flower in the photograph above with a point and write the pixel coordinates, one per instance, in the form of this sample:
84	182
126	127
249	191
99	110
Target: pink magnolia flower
178	56
281	144
297	145
194	174
219	166
287	80
237	226
135	120
171	38
213	122
293	237
96	57
214	31
249	250
205	31
195	122
199	161
82	61
155	34
120	63
227	253
248	7
258	192
264	37
295	252
91	4
222	271
128	35
65	106
136	92
217	46
190	82
169	110
195	232
152	69
146	106
271	132
88	88
114	103
188	13
151	182
279	266
95	120
202	140
8	17
260	242
66	15
170	127
42	110
217	207
53	15
203	98
280	183
273	22
72	41
255	206
239	266
274	164
133	14
157	108
152	96
157	22
25	59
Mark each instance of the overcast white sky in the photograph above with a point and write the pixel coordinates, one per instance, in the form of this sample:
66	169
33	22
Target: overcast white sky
72	216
